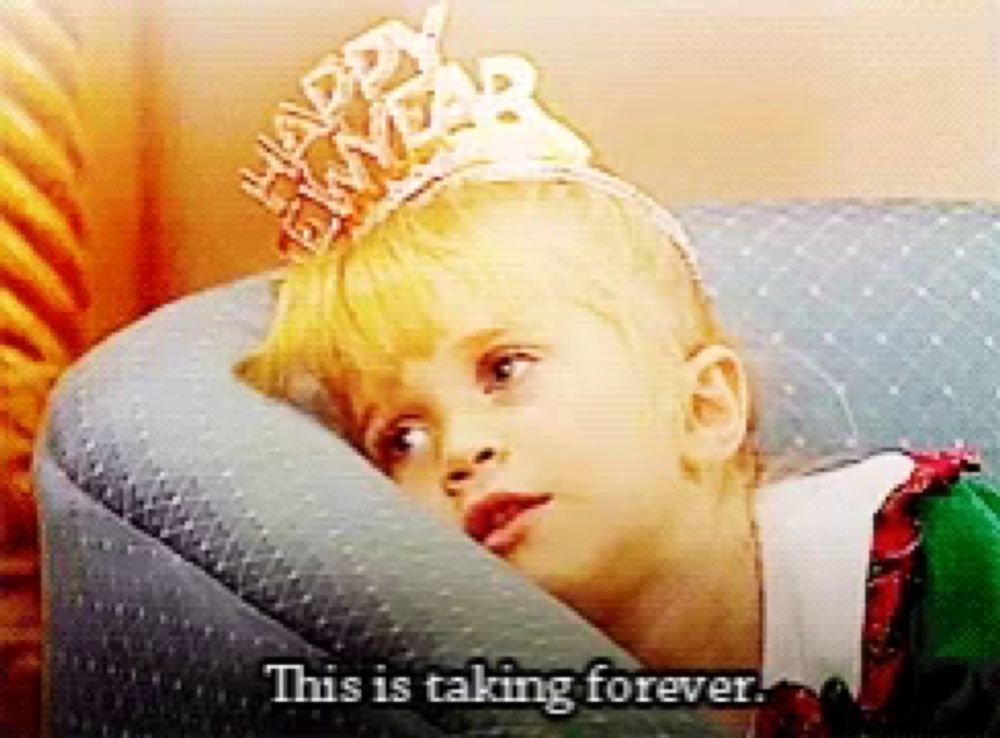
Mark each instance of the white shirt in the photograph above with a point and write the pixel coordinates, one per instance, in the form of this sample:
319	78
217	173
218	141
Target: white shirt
815	539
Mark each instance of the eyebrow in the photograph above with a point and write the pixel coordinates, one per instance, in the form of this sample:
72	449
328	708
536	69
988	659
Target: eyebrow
365	424
476	341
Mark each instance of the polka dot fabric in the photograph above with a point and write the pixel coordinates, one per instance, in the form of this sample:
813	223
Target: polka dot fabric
865	325
193	528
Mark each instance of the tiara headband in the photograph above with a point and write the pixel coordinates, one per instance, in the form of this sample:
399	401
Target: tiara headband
388	120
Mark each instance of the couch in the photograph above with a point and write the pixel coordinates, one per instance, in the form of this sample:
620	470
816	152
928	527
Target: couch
193	529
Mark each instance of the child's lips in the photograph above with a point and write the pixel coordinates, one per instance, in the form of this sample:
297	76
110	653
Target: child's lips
499	520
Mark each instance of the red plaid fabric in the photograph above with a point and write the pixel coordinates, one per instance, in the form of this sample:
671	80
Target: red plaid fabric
795	710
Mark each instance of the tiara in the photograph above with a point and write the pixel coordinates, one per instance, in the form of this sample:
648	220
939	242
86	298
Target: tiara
387	119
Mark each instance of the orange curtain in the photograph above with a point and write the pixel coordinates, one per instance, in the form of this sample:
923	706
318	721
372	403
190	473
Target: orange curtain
42	300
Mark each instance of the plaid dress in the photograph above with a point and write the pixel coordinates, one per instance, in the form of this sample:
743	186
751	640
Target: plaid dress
930	642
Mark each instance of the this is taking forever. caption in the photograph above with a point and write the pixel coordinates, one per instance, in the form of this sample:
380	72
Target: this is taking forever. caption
557	693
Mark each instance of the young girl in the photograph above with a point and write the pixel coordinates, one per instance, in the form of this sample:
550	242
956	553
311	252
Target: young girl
523	344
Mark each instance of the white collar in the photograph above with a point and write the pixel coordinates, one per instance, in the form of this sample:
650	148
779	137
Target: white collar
815	540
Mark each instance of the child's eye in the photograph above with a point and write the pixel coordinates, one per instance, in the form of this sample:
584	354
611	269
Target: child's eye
401	441
502	370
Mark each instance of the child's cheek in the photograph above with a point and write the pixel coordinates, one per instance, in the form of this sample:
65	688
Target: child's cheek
420	482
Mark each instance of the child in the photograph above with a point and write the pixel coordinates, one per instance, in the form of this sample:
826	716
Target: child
522	343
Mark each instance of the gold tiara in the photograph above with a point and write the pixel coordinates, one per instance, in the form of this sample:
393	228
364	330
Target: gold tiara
386	118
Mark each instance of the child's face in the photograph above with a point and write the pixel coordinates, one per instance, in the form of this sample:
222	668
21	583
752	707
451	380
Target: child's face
546	436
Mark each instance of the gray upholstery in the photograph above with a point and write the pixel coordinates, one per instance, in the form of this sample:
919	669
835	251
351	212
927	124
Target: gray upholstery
193	528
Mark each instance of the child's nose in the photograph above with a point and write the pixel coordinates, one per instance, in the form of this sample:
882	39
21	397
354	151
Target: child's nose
463	469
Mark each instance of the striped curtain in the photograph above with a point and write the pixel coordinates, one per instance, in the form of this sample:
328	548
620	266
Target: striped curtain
42	299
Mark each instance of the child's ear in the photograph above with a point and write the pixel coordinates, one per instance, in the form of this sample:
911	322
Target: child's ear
717	404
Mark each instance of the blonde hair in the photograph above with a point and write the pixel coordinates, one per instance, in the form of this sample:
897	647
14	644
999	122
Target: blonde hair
356	311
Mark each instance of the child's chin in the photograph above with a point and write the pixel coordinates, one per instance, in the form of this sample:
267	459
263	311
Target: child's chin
557	572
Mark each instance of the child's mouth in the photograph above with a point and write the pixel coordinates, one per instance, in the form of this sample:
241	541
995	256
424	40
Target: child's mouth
499	520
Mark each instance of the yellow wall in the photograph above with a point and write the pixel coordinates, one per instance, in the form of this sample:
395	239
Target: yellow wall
111	98
693	99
